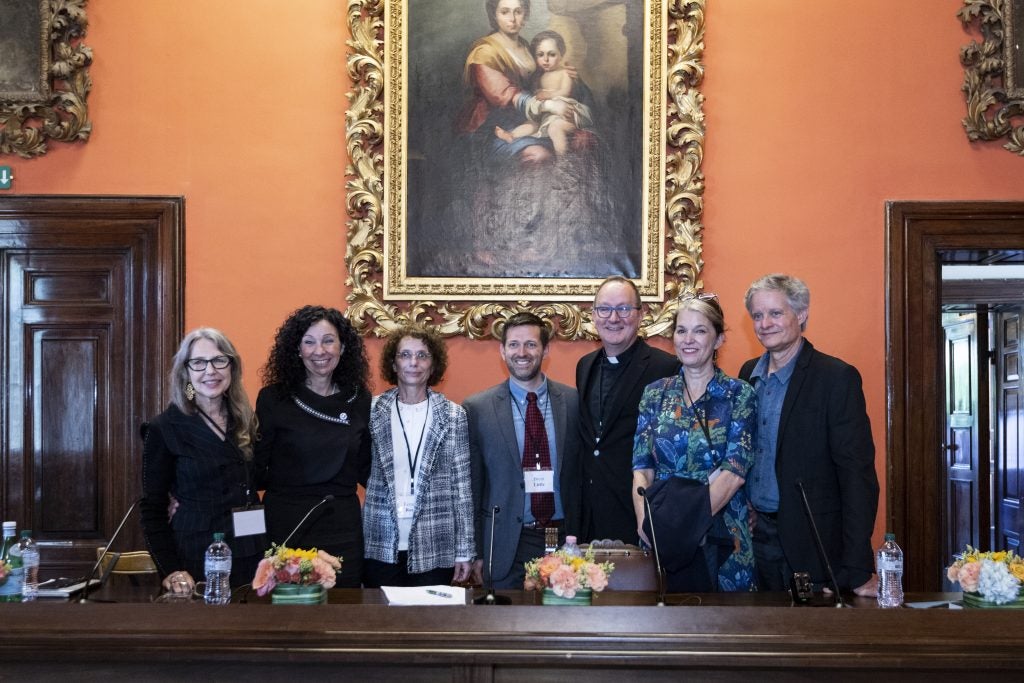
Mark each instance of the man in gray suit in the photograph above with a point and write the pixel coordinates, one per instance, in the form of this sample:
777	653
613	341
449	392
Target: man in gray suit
532	498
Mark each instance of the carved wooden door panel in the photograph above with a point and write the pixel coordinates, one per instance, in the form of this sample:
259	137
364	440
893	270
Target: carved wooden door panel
966	447
92	314
1008	489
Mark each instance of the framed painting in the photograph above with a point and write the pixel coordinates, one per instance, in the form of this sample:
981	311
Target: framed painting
994	72
508	155
44	77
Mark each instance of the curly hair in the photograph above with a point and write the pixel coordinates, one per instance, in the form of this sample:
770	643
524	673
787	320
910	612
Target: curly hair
240	414
284	368
430	338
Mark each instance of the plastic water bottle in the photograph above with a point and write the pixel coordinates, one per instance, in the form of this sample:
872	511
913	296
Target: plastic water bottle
570	548
30	565
889	564
10	590
218	572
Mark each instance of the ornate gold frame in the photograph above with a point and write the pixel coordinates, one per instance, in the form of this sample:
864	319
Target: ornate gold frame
680	192
59	111
995	93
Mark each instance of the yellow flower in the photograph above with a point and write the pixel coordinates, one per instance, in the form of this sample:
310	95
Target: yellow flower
1018	571
999	556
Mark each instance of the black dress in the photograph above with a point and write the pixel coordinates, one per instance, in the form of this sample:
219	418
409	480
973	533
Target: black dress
208	477
302	457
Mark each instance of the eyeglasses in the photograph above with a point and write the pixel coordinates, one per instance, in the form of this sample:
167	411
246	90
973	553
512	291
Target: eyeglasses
199	364
703	296
409	355
623	311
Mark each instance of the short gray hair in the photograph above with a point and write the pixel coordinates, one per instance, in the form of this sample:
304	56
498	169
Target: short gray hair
793	288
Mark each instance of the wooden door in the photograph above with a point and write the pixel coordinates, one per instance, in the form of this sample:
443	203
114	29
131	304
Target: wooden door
1008	523
965	450
92	315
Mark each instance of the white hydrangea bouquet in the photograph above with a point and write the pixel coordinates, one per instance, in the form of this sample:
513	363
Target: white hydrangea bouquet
989	579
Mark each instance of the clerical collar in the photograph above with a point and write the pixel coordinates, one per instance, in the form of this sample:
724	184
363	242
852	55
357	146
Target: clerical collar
623	357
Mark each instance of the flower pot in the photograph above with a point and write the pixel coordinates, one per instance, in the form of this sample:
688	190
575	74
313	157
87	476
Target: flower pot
291	594
976	601
583	597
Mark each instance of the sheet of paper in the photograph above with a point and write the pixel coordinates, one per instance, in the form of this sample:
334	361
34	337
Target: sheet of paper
425	595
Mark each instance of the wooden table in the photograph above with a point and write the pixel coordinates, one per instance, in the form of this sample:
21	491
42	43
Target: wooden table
720	637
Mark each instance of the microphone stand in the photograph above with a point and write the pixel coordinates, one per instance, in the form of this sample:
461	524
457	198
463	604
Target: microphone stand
491	598
654	543
326	499
99	560
818	544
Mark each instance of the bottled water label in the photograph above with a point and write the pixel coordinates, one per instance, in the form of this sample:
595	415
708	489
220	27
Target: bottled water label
214	565
890	564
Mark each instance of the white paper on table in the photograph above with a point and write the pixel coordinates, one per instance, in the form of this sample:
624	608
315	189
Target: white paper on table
939	604
425	595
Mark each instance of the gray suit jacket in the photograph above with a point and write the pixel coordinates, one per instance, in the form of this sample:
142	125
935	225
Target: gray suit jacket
498	471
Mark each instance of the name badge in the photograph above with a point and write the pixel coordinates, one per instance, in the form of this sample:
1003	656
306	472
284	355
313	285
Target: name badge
406	503
539	481
249	521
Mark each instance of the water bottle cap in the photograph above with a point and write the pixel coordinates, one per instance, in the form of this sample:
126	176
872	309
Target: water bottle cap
26	533
218	536
890	536
10	525
570	540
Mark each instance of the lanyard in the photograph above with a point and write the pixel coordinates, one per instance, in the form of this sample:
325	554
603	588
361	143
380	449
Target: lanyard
701	418
413	460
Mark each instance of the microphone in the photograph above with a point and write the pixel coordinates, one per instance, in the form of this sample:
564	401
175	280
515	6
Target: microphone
491	598
642	492
818	544
326	499
99	560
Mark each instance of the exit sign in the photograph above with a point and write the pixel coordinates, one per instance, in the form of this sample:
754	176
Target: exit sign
6	177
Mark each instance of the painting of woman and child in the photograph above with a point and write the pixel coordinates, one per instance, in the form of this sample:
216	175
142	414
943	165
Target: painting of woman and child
525	138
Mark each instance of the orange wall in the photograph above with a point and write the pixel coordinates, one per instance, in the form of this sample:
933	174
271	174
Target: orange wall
817	112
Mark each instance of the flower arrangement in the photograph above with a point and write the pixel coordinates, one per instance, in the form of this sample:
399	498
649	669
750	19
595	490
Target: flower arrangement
300	567
565	574
995	576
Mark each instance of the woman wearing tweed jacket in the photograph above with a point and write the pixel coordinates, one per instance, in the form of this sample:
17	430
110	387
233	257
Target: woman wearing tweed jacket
418	515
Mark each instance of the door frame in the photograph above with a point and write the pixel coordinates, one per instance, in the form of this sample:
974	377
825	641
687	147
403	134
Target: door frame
916	233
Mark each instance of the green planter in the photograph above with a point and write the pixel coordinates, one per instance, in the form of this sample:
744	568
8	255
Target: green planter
583	597
974	600
291	594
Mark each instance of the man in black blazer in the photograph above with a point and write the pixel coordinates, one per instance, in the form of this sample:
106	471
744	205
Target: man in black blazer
497	418
610	382
812	427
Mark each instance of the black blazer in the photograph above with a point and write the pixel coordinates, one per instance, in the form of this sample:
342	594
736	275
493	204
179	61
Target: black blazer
825	440
608	477
184	457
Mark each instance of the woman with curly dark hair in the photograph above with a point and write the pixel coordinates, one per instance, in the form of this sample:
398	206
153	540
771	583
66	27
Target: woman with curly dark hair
314	439
418	517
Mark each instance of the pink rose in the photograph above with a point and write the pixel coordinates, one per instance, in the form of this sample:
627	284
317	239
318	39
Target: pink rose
334	562
530	584
324	572
968	576
264	581
596	577
953	573
563	582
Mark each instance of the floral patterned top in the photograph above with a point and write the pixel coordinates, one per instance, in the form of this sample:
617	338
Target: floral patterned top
670	439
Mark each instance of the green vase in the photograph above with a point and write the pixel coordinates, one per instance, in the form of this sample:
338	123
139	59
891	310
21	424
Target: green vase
583	596
291	594
976	601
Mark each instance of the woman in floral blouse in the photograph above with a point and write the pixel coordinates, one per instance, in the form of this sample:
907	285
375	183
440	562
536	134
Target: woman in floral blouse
699	425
